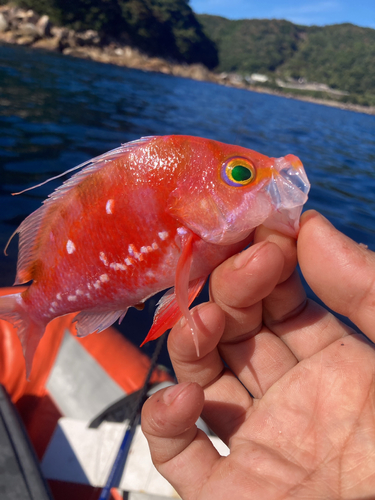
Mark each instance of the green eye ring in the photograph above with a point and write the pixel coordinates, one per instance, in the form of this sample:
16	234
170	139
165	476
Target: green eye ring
238	172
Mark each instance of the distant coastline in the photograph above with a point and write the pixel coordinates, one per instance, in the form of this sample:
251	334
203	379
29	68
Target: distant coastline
25	27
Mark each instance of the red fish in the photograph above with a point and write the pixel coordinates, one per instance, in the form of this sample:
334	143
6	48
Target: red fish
151	214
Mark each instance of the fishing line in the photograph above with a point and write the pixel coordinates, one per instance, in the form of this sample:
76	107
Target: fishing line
116	472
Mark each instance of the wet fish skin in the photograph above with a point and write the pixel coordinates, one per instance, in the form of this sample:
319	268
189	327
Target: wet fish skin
154	213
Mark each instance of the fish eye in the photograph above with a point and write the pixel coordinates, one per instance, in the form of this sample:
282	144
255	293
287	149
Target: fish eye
238	172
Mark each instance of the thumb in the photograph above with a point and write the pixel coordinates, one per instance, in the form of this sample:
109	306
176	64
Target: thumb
340	271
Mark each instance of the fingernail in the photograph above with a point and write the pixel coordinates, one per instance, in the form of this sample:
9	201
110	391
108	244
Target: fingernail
244	257
313	214
171	393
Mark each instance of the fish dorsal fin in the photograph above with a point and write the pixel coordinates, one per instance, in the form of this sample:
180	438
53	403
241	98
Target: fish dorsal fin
28	231
30	228
91	321
93	166
168	311
108	156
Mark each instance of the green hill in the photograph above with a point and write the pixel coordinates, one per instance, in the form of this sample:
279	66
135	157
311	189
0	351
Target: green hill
166	28
341	56
249	46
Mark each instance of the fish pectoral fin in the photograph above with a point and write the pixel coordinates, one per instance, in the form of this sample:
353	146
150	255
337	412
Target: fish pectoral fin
182	282
92	321
168	311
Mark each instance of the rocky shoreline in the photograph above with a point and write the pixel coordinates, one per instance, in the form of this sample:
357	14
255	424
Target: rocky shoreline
25	27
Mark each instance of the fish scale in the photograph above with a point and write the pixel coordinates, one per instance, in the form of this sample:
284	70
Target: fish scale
152	214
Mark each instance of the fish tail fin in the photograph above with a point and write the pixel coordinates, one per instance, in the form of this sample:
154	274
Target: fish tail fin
28	331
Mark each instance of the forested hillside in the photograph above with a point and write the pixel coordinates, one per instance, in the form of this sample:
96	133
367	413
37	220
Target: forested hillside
249	46
167	28
341	56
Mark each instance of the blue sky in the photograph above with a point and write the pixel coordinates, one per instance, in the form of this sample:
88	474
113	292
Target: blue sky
307	12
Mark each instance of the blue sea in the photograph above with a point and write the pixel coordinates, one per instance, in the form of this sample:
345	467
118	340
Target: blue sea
57	111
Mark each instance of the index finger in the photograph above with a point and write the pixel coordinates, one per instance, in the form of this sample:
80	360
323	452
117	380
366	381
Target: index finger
245	347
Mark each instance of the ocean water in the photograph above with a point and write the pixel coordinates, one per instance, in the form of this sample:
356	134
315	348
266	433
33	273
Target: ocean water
57	111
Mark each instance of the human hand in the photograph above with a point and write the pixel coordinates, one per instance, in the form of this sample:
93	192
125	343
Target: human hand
309	429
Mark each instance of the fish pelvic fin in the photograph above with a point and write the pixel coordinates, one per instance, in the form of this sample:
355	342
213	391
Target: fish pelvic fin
29	332
168	311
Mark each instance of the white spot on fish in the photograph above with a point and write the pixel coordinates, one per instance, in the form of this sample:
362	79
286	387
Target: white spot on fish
72	298
163	235
88	295
104	277
103	258
89	286
117	266
109	206
54	304
132	249
181	230
149	249
128	261
58	296
51	309
70	246
138	256
144	249
155	246
79	292
97	284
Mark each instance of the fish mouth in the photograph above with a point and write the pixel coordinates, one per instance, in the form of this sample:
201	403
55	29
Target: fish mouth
288	192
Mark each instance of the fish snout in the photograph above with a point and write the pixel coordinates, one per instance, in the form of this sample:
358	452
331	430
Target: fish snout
288	192
290	185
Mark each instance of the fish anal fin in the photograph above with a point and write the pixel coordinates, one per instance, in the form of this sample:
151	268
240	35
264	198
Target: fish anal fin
168	312
91	321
